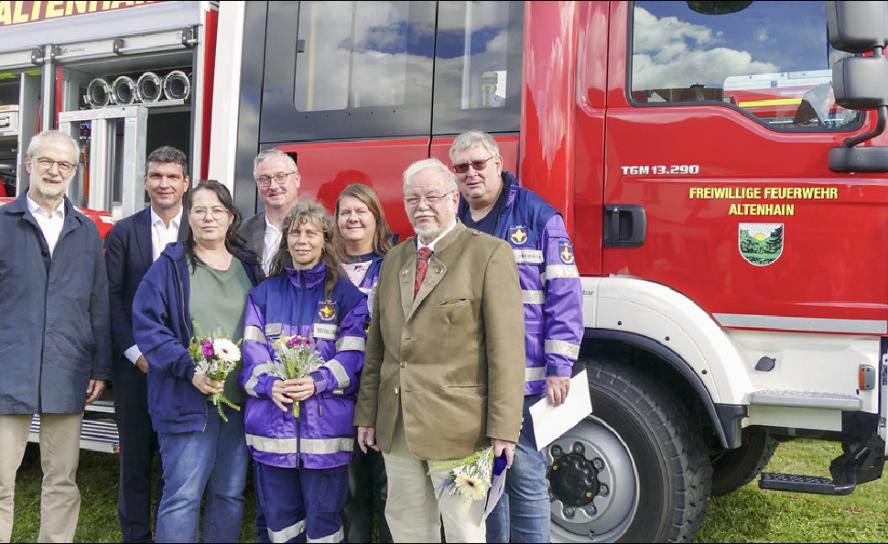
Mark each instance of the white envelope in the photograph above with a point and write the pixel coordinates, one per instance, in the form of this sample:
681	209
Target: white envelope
550	422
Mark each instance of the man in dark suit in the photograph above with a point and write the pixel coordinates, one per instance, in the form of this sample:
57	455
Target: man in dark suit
277	180
131	247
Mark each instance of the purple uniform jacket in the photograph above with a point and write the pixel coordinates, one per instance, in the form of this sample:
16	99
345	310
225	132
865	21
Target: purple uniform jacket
550	283
294	304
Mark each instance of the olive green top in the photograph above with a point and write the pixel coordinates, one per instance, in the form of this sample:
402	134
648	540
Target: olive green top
217	302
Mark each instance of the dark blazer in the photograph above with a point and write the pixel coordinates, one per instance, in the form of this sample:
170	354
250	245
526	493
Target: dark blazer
128	256
53	313
253	232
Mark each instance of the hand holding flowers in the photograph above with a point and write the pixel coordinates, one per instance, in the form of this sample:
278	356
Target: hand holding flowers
469	476
214	359
297	358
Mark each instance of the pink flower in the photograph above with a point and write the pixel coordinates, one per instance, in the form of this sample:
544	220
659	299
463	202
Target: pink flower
293	342
208	349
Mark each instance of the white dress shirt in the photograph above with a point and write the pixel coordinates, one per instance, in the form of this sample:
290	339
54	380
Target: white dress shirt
50	223
270	245
161	235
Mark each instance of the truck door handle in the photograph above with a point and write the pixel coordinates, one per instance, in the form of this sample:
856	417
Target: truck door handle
625	225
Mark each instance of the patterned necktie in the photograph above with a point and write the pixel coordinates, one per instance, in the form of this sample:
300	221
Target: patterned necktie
422	266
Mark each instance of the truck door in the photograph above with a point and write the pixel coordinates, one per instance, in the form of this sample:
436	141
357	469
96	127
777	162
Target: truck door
357	91
718	129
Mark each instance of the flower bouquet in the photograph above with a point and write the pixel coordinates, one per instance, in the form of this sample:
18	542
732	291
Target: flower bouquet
469	476
217	357
297	357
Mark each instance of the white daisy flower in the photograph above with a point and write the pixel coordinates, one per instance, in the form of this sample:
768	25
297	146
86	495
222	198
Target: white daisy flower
226	350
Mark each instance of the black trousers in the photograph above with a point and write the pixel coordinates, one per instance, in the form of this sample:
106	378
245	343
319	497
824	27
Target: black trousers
138	445
367	491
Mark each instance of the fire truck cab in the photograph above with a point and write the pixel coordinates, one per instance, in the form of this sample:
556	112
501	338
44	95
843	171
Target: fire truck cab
728	212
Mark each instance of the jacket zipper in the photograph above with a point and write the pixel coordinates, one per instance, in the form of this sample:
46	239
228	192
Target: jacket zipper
182	302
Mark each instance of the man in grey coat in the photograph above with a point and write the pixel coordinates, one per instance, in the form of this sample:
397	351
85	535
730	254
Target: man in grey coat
277	180
54	332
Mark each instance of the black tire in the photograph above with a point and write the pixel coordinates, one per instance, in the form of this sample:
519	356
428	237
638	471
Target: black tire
670	470
732	469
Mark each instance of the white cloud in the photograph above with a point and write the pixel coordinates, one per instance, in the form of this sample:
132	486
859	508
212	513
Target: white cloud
671	53
761	35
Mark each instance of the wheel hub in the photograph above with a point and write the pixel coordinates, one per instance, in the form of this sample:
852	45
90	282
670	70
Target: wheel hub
574	479
593	484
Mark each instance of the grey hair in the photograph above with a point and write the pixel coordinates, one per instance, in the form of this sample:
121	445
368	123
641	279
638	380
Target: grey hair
472	138
165	155
434	164
273	153
37	140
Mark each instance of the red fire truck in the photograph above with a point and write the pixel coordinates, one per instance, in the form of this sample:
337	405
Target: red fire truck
702	159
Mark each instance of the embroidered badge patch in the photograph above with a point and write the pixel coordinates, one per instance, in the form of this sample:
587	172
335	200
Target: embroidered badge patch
518	234
326	311
566	252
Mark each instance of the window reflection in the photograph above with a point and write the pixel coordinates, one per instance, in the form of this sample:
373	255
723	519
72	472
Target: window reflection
771	59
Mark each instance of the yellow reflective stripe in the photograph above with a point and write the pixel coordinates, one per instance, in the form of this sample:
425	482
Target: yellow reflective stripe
560	271
316	446
338	536
534	374
350	343
287	533
560	347
258	370
771	102
273	329
325	332
528	256
533	297
339	372
253	333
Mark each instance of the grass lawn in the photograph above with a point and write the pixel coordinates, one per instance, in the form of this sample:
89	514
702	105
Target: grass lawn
748	515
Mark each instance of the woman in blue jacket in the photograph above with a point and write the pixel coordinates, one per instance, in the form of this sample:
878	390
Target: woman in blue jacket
363	237
195	288
301	463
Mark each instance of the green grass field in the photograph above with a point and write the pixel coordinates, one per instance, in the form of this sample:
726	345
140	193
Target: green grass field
748	515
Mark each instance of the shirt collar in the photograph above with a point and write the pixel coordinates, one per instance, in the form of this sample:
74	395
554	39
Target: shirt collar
442	234
175	221
36	209
273	228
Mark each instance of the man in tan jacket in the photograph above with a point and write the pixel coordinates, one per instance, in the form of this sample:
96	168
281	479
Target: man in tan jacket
444	370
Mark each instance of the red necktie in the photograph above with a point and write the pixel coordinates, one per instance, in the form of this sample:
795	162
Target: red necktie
422	265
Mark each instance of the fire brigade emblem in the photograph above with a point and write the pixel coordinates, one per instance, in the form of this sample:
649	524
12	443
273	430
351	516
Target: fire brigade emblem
518	235
326	311
760	243
566	252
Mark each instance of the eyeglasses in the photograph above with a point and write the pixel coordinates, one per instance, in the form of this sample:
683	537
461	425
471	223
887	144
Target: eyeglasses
46	163
216	213
414	200
280	178
463	167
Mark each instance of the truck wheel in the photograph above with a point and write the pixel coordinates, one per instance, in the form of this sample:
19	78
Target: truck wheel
635	470
732	469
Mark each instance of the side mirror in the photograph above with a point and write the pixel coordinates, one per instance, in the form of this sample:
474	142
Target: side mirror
857	27
861	83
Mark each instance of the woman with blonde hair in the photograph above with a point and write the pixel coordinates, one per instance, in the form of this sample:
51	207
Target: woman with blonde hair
363	237
302	456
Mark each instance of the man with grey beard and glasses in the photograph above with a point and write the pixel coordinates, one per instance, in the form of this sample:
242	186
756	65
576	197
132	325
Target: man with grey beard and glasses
443	374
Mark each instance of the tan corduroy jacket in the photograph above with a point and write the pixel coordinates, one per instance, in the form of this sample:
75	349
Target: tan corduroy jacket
452	358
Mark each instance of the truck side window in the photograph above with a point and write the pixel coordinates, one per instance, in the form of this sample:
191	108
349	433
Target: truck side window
347	69
771	60
478	67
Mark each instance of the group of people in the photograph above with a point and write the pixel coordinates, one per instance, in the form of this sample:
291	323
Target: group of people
428	351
